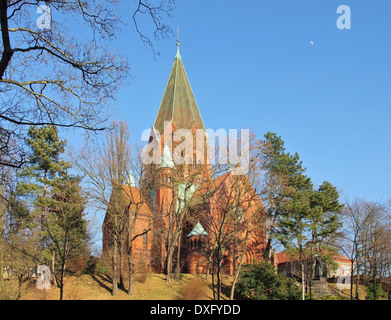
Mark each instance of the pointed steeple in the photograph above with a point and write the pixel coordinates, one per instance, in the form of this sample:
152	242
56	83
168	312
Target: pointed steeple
198	230
130	180
166	159
178	104
178	55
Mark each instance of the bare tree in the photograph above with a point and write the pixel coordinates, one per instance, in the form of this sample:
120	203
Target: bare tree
233	216
184	179
111	174
357	216
17	243
105	173
139	218
52	74
158	11
375	238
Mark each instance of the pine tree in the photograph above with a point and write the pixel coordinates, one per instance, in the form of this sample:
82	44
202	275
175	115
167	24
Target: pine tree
56	199
325	213
44	166
284	182
65	225
294	224
324	221
38	178
289	192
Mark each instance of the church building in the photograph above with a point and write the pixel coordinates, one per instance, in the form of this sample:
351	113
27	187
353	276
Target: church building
202	218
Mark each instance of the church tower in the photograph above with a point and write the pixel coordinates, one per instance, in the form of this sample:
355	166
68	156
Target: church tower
180	132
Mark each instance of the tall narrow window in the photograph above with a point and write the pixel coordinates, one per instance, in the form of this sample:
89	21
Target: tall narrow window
145	238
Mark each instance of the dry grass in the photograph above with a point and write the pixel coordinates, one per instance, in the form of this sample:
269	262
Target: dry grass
346	292
194	289
148	287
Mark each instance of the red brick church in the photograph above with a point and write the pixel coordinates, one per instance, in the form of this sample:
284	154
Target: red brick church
210	214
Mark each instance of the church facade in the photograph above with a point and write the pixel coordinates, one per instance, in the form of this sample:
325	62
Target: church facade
200	217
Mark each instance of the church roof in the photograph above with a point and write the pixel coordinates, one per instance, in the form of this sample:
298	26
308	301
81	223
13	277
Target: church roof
284	257
178	103
136	201
198	230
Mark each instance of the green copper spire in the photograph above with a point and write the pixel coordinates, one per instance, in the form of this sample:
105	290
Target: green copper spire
178	103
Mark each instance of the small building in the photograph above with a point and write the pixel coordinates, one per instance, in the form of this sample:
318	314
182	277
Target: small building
287	265
344	266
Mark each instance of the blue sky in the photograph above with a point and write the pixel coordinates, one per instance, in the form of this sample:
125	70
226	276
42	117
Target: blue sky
251	65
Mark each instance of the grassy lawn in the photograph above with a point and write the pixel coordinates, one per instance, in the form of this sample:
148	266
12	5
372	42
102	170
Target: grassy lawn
362	293
98	287
153	287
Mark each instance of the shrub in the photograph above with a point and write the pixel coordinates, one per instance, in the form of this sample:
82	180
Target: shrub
142	272
371	290
76	266
261	282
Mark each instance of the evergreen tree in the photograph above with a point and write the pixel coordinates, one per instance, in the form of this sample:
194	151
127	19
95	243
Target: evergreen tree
325	213
308	218
294	225
285	184
299	215
374	291
65	225
324	221
38	178
44	166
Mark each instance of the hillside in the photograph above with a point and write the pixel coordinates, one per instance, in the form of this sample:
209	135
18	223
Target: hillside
98	287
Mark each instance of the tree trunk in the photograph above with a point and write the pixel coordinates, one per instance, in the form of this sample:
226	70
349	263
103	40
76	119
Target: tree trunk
357	281
302	282
2	286
53	268
170	237
351	279
131	272
115	268
121	283
62	280
178	259
302	273
236	276
219	278
170	250
238	267
213	283
207	271
7	50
